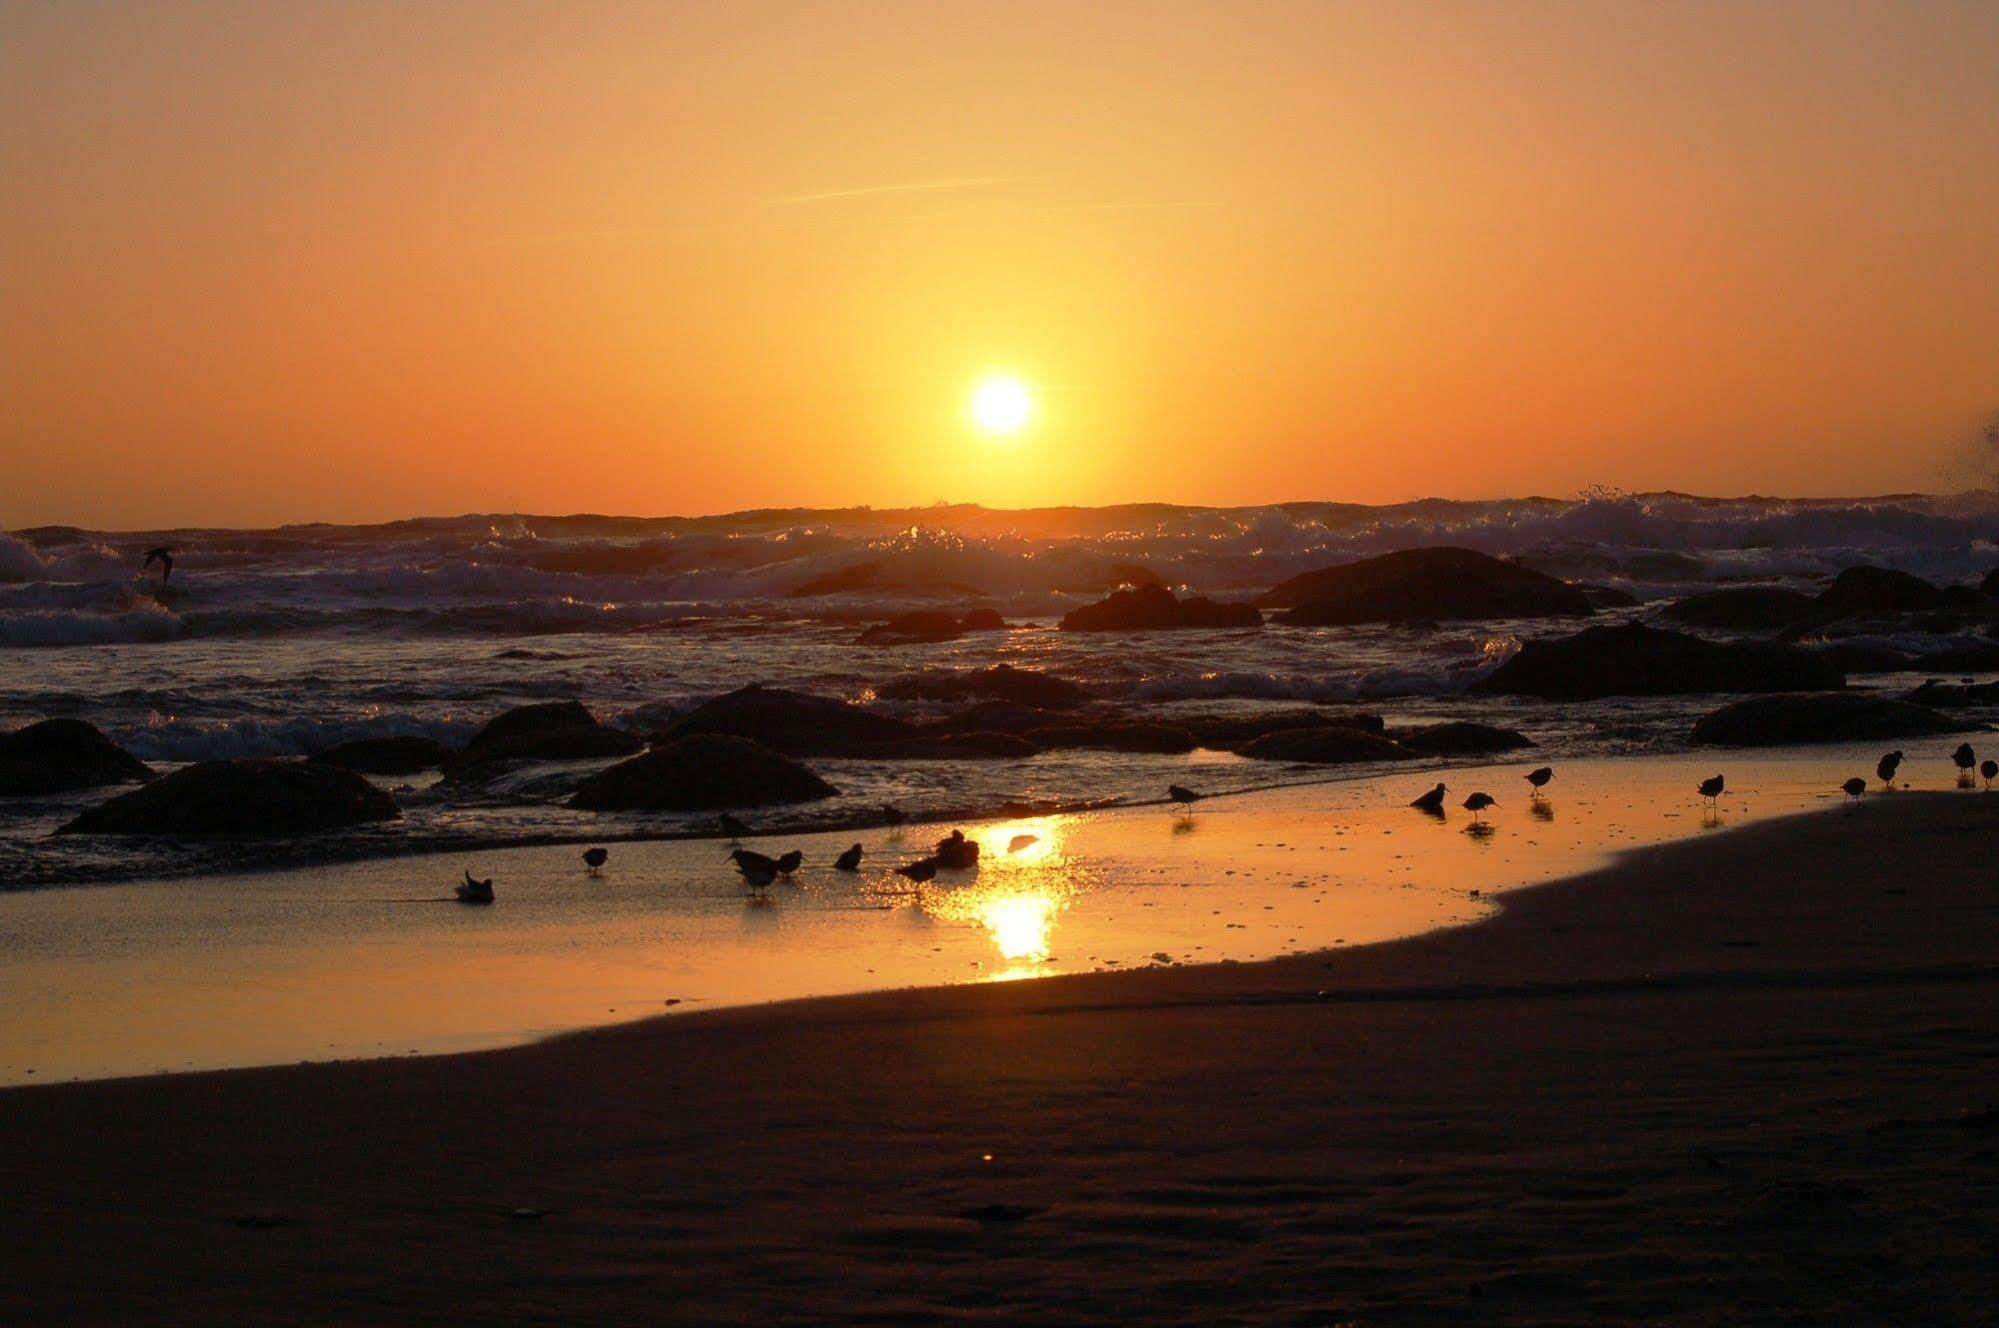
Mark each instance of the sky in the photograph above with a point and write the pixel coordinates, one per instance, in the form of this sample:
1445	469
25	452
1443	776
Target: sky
276	262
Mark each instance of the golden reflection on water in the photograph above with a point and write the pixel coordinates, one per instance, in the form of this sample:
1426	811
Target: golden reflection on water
1017	895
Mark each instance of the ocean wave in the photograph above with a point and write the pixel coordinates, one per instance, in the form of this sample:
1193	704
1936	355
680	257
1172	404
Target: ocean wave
170	738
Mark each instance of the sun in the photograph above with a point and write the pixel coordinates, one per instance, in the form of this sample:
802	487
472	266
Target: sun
1001	405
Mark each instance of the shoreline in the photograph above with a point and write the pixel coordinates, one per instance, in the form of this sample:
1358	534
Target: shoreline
1677	1087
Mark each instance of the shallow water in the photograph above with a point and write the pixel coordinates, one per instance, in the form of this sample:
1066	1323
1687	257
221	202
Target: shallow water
366	959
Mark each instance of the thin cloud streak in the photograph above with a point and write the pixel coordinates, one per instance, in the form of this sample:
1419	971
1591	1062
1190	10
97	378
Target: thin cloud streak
912	187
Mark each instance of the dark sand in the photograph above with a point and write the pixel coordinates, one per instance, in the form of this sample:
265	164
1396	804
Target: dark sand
1752	1078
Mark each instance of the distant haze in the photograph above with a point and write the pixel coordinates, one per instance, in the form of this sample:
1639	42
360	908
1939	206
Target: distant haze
278	262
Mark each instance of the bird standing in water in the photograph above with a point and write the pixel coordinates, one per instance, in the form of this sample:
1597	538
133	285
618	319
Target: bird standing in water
1989	769
1539	778
1478	802
893	815
1965	759
758	871
1182	795
1886	770
923	869
164	556
788	863
475	892
848	861
731	827
1854	787
595	858
1433	801
1711	788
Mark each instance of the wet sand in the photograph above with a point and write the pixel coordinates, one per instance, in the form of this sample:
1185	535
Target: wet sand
1748	1077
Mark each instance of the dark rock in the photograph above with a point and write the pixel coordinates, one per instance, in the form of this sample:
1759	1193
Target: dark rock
1117	736
1153	608
1233	732
860	576
700	771
1327	746
241	799
795	723
1460	738
966	745
929	626
544	717
1765	721
1608	597
1990	585
1418	584
1967	657
1949	696
1876	590
998	717
386	756
547	731
1866	657
1758	608
1636	660
1001	682
58	755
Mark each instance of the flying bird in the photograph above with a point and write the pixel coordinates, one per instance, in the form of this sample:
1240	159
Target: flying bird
1478	802
1539	778
475	892
595	858
1711	788
848	861
164	556
923	869
1989	769
788	863
731	827
1886	770
1855	787
1182	795
1433	801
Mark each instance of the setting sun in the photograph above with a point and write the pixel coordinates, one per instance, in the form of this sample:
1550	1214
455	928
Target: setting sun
1002	405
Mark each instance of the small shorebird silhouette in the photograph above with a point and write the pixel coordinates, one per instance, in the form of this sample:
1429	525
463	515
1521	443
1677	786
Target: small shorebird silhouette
893	815
1433	801
595	858
1855	787
1989	769
848	861
1019	842
1886	770
164	556
475	892
1182	795
1539	778
919	871
1711	788
1478	802
1965	760
758	871
731	827
788	863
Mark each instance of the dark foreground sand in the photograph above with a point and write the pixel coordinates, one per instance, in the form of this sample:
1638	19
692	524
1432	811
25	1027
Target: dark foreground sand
1751	1078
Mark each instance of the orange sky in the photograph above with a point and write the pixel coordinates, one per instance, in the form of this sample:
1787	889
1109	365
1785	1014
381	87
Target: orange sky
271	262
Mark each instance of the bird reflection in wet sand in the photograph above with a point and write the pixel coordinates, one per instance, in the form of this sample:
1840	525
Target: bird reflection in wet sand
1541	809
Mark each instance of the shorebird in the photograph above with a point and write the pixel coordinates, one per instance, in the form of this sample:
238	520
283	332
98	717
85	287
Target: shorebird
1019	842
848	861
1478	802
923	869
731	827
1989	769
758	871
475	892
595	858
1855	787
788	863
1711	788
956	851
1886	770
1433	801
1182	795
1965	759
892	814
1539	778
164	556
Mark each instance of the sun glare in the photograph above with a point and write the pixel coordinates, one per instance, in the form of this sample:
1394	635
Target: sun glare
1002	405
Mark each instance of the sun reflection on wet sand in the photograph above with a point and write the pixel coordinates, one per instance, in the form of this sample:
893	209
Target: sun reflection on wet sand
1024	883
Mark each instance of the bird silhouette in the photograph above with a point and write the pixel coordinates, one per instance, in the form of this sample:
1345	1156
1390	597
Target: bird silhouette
1989	769
475	892
923	869
893	815
1478	802
1886	770
1019	842
595	858
757	870
956	851
164	556
731	827
1539	778
1433	801
848	861
1855	787
1711	788
1965	759
1182	795
788	863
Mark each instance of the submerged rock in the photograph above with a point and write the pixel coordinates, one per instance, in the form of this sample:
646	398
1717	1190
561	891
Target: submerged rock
1750	608
1001	682
955	745
1636	660
1152	608
795	723
1767	721
60	755
1233	732
1460	738
1422	584
929	626
386	756
1327	746
701	771
241	799
1877	590
547	731
1116	736
1949	696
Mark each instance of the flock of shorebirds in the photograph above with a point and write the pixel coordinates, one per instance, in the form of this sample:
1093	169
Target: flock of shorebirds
760	871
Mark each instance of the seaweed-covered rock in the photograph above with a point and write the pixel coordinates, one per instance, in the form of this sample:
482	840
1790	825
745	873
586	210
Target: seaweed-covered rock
1460	738
1636	660
58	755
245	799
1423	584
386	756
1768	721
1001	682
700	771
1152	608
795	723
1327	746
1748	608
